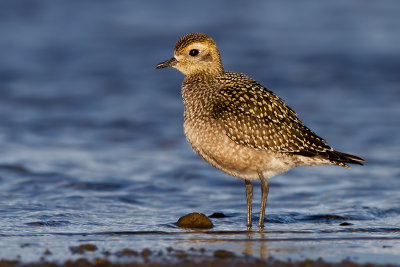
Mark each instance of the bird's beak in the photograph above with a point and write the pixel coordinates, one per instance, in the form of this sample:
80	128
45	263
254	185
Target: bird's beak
168	63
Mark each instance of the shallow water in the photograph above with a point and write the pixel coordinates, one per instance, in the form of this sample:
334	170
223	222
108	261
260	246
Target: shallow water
92	149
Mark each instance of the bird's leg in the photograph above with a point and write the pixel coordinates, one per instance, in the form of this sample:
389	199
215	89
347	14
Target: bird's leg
264	196
249	196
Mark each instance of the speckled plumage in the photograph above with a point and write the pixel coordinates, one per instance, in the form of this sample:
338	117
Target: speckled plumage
186	40
239	126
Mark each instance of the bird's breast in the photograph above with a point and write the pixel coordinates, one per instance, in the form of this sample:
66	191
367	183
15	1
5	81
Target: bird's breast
208	138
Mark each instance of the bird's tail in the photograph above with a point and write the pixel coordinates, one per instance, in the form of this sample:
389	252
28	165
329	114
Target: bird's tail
340	158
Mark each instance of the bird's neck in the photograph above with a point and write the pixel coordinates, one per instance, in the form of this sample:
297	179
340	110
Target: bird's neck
203	72
198	92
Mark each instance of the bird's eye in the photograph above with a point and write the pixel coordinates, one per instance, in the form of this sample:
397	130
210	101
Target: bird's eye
194	52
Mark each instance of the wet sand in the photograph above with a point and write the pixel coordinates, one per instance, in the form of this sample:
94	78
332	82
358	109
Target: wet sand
128	257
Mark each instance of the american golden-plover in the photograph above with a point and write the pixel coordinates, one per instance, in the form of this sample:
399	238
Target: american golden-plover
239	126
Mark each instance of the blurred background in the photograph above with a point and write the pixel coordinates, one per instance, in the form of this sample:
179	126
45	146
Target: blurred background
91	134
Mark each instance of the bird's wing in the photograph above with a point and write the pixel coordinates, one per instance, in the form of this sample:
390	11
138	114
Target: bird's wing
254	116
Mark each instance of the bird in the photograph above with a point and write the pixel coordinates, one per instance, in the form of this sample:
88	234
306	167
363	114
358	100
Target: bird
241	127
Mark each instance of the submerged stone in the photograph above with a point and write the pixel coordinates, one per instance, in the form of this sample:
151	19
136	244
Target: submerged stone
218	215
83	248
146	252
127	252
223	254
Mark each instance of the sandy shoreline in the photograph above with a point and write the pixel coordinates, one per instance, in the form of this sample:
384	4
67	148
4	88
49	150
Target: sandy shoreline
172	257
103	262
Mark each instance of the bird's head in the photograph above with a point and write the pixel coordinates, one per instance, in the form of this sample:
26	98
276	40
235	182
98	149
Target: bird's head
195	54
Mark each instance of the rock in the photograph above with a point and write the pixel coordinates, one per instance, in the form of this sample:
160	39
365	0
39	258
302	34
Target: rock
146	252
127	252
223	254
83	248
195	221
218	215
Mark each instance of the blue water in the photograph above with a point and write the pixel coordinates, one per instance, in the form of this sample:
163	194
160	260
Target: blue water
91	140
